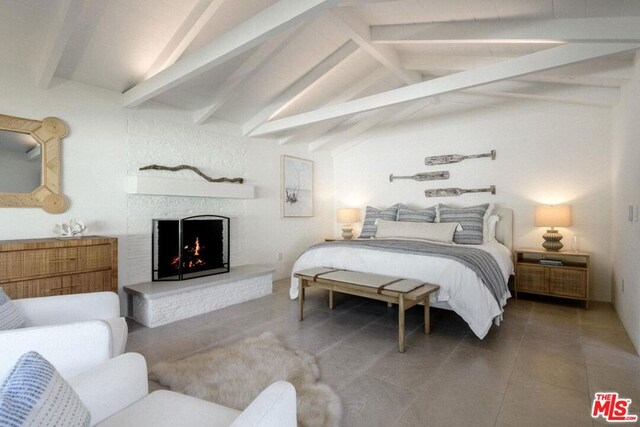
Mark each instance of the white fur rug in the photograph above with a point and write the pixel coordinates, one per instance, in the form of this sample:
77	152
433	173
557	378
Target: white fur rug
233	376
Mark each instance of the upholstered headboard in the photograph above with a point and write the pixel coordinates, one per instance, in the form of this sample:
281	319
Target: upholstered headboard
504	227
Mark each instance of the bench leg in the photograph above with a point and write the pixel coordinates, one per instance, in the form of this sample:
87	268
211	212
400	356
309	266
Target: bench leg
301	299
401	324
330	299
427	319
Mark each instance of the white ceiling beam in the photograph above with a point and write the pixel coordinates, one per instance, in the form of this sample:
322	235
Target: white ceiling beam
278	17
358	31
596	72
580	30
302	86
355	135
361	86
62	26
249	68
508	69
191	26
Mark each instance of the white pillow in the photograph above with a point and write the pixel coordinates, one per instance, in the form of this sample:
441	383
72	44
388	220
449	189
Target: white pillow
437	232
490	228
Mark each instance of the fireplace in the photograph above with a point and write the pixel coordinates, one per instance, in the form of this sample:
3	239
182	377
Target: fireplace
190	247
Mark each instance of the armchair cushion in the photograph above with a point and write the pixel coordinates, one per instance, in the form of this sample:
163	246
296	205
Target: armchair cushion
77	308
10	317
34	394
168	408
72	348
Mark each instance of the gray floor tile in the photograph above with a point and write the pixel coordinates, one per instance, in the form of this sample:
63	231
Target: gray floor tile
540	367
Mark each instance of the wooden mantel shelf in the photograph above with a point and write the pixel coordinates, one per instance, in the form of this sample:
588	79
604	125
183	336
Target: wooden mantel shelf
188	188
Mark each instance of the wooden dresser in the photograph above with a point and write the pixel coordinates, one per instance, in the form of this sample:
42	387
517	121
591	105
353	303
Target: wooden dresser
44	267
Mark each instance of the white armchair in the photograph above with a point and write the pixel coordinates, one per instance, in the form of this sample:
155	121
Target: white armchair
74	332
116	393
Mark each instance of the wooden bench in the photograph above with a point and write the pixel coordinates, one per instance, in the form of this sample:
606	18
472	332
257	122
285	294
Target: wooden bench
394	290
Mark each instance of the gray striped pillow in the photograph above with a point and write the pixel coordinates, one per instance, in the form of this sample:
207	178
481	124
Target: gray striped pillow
34	394
10	317
416	215
369	226
470	218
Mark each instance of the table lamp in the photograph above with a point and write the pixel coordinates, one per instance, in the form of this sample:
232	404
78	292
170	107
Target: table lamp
348	216
552	216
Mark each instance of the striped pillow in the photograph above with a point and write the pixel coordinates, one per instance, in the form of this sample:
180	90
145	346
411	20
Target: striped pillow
416	215
34	394
369	226
470	218
10	317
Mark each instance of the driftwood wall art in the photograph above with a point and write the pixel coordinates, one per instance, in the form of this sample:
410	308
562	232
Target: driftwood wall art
455	158
193	169
424	176
449	192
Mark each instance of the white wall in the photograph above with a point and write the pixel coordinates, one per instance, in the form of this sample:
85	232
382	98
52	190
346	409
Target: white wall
546	153
626	191
107	142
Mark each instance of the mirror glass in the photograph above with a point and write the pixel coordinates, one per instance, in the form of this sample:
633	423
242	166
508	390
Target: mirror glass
20	162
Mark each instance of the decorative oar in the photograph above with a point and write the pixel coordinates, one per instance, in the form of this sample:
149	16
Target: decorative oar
425	176
449	192
455	158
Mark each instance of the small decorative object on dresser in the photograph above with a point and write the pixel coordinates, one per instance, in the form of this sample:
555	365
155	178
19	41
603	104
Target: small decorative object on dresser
348	216
45	267
568	277
552	216
71	230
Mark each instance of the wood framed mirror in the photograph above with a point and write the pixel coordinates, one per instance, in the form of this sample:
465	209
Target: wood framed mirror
30	163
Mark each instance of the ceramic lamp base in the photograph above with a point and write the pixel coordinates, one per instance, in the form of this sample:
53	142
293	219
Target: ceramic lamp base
552	240
347	232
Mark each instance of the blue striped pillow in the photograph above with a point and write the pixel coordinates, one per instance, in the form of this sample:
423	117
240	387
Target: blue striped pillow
416	215
369	226
470	218
10	317
34	394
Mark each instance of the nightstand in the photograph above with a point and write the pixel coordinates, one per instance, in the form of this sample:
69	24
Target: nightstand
569	280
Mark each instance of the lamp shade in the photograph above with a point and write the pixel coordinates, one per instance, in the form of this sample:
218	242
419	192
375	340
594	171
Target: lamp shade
348	215
553	216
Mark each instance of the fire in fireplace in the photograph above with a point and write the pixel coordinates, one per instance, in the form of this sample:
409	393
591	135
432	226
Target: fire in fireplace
190	247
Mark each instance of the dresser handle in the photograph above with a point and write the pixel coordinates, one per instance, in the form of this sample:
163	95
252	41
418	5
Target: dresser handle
63	260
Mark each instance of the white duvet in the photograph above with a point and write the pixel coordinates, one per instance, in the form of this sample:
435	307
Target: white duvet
461	289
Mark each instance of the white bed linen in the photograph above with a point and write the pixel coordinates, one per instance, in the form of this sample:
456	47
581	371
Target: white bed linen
460	287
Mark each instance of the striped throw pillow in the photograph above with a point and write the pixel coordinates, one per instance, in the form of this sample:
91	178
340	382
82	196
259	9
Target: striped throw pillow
34	394
470	218
369	226
416	215
10	317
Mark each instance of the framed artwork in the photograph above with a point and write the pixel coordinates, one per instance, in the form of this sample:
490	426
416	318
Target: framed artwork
297	187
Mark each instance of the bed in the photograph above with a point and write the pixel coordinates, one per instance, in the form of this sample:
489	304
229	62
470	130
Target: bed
461	288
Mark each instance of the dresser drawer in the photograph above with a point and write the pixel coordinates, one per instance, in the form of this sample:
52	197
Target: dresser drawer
94	257
32	288
37	263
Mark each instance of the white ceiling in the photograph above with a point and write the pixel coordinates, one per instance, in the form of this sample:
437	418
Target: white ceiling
118	44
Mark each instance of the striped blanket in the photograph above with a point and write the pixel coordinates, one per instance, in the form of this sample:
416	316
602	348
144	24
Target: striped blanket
479	261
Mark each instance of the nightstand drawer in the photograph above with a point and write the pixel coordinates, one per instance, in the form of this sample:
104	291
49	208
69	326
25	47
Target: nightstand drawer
532	278
568	282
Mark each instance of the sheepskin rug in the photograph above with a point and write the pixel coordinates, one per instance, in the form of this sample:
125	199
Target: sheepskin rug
233	376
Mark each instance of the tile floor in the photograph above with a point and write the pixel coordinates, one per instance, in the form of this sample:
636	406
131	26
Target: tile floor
541	367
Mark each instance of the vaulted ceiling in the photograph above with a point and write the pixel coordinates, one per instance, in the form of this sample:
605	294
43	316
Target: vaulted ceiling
323	72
